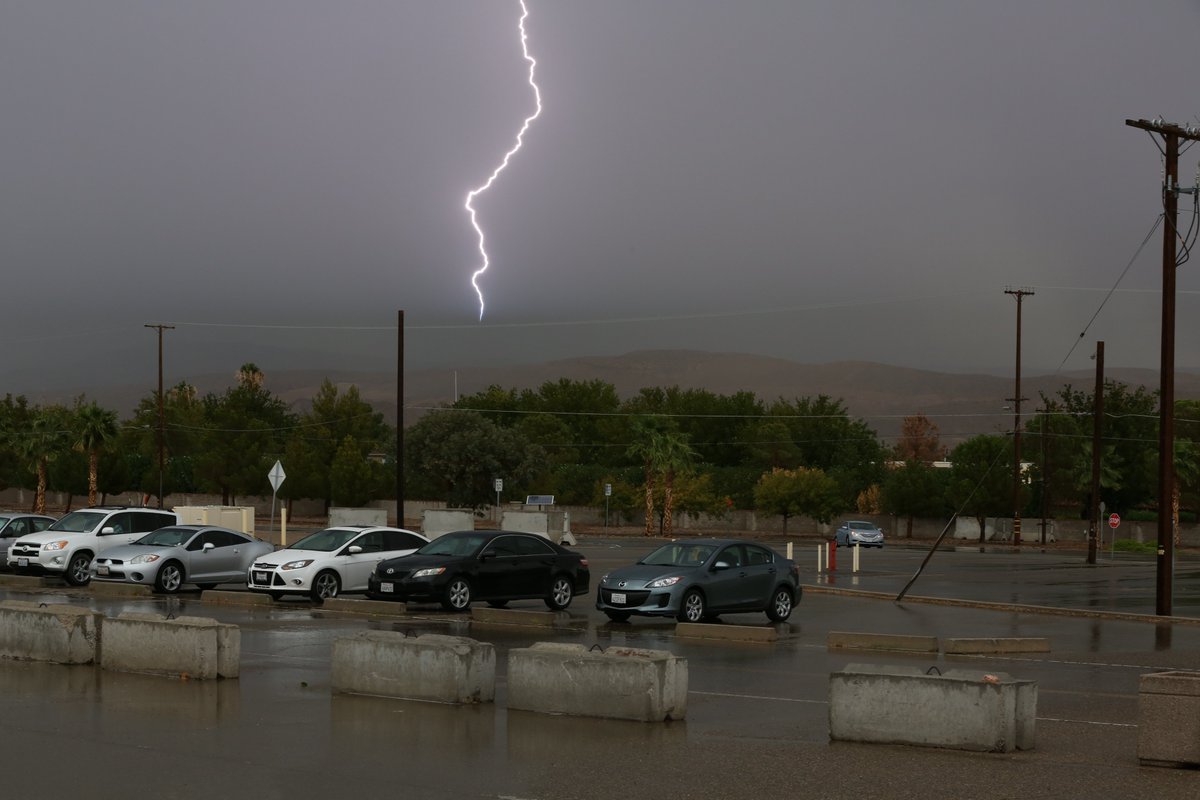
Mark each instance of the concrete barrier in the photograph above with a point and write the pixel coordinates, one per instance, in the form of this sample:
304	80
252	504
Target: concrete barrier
441	669
236	598
996	646
837	640
197	647
106	589
509	616
1169	719
58	633
29	582
620	683
728	633
379	608
961	709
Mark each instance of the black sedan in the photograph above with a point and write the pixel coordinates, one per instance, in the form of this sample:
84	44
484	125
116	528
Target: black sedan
459	568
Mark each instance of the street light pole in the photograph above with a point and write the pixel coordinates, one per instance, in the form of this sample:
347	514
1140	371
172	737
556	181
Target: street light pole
161	414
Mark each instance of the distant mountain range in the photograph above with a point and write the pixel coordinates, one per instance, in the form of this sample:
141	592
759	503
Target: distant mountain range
961	404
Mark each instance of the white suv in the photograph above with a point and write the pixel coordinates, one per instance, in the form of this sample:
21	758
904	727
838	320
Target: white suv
68	546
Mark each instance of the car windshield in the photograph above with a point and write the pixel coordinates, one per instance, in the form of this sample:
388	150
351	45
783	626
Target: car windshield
325	541
454	545
167	537
860	526
679	555
4	521
78	522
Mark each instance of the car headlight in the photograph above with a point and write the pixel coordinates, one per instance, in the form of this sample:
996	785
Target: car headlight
148	558
428	572
61	544
662	583
297	564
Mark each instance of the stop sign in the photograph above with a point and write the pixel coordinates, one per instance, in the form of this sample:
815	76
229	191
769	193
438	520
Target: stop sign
1114	520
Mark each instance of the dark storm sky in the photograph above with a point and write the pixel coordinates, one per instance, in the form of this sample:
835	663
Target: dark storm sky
815	180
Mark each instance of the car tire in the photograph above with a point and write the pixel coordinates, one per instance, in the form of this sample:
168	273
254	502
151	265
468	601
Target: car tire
207	586
77	573
457	596
618	616
326	585
692	609
169	578
780	607
275	595
562	591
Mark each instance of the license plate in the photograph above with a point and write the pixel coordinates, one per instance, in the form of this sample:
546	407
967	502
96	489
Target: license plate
618	598
22	562
101	570
387	587
260	577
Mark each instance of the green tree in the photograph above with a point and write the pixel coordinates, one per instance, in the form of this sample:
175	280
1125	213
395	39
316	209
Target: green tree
96	430
798	492
915	489
350	477
46	438
979	482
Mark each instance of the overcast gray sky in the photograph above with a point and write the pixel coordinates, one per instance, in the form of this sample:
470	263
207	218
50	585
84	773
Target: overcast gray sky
817	180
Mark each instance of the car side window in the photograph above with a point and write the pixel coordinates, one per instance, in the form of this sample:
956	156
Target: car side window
153	521
218	538
503	547
731	555
370	542
196	543
400	540
142	523
40	524
756	556
19	527
532	546
120	523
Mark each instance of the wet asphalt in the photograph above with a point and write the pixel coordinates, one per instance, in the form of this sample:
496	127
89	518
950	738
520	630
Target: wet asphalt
757	722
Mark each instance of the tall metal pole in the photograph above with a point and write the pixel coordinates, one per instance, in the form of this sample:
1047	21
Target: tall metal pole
1097	432
1020	295
161	413
1172	135
400	418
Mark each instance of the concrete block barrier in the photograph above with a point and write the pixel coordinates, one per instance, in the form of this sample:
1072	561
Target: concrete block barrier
620	683
1169	719
512	616
29	582
379	608
837	640
57	633
197	647
728	633
996	646
236	598
441	669
105	589
961	709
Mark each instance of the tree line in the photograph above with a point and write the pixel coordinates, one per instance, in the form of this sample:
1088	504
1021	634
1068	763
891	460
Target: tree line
660	451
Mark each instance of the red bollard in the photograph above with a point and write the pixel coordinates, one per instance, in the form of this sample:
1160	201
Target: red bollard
833	555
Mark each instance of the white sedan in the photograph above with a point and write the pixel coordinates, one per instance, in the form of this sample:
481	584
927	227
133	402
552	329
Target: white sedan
329	562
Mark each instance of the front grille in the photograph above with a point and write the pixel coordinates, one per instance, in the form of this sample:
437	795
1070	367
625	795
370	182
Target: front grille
265	565
26	550
631	598
394	575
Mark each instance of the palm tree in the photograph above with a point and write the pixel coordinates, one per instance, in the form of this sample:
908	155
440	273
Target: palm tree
250	375
39	445
644	449
97	427
674	454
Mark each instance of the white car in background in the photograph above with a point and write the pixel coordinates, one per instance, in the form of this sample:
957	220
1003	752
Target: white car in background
330	562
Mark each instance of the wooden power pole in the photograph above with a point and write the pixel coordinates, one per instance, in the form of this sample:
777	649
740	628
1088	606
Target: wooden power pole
1020	294
161	413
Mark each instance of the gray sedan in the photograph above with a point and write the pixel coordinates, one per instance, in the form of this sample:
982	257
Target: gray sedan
170	557
697	579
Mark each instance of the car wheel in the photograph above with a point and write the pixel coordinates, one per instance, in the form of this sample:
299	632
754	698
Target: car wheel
207	586
561	592
77	570
781	605
325	585
618	616
692	608
457	596
169	578
498	603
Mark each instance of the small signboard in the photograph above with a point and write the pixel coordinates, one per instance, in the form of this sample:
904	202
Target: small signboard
498	485
608	490
276	476
1114	520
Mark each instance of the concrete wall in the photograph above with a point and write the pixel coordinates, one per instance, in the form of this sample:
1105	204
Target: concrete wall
1169	719
960	709
357	516
57	633
238	518
435	522
442	669
197	647
620	683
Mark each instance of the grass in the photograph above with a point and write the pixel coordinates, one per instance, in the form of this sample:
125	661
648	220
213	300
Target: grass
1131	546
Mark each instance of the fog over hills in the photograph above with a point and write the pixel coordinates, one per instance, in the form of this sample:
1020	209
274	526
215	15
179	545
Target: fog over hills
960	404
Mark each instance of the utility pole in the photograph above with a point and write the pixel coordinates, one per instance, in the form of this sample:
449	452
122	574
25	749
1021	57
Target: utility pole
400	418
1016	401
1172	135
161	415
1097	432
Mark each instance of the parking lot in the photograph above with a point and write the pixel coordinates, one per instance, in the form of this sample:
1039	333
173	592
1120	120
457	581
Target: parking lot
757	720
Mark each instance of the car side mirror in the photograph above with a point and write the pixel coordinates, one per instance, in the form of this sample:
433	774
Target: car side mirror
354	549
107	529
208	546
486	555
721	565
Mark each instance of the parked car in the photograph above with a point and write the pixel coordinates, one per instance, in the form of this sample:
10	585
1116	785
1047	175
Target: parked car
330	562
697	579
459	568
857	532
14	525
68	546
170	557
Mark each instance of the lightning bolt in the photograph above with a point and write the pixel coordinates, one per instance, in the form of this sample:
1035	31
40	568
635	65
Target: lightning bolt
471	195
